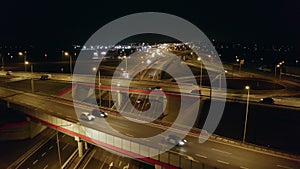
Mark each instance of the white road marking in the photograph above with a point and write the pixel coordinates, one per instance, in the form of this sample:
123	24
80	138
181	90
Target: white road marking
126	166
46	166
161	144
65	146
221	151
111	165
130	135
103	162
35	162
63	135
223	162
242	167
282	166
199	155
43	154
50	147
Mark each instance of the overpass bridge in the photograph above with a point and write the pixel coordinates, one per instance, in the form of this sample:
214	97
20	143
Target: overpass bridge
217	152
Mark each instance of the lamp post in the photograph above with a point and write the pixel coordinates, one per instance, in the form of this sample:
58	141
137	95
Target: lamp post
70	60
246	116
25	60
2	59
57	142
275	69
279	65
200	82
32	82
99	84
126	65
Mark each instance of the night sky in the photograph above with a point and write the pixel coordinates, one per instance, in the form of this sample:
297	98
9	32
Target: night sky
55	24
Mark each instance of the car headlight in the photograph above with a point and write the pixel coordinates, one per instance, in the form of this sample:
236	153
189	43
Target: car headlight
181	142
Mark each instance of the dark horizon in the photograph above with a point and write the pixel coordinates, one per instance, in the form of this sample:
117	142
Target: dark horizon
59	24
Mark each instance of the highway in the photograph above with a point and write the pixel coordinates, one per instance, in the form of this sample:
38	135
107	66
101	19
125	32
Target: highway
47	155
212	152
281	97
99	158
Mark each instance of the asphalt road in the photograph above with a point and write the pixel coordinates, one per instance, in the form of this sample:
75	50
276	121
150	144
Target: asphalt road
47	155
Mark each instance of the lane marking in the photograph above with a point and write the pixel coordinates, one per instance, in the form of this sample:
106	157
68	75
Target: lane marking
199	155
221	151
223	162
145	139
242	167
130	135
50	147
43	154
35	162
282	166
161	144
126	166
46	166
103	163
63	136
65	146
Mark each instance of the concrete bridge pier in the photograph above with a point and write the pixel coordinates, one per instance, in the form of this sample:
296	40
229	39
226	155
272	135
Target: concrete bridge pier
80	146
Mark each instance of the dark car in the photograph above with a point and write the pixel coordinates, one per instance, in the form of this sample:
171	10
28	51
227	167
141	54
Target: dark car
9	73
175	140
139	101
267	100
98	113
46	76
156	87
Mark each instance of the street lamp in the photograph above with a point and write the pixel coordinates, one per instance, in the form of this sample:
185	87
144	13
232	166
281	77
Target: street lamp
246	116
126	65
279	65
57	142
25	60
2	59
276	66
70	57
31	68
99	83
200	82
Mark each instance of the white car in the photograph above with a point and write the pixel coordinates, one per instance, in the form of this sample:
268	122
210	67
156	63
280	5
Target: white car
87	116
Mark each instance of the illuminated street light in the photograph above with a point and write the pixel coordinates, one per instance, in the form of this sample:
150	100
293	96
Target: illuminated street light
25	60
126	65
70	57
201	65
246	116
99	83
279	65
